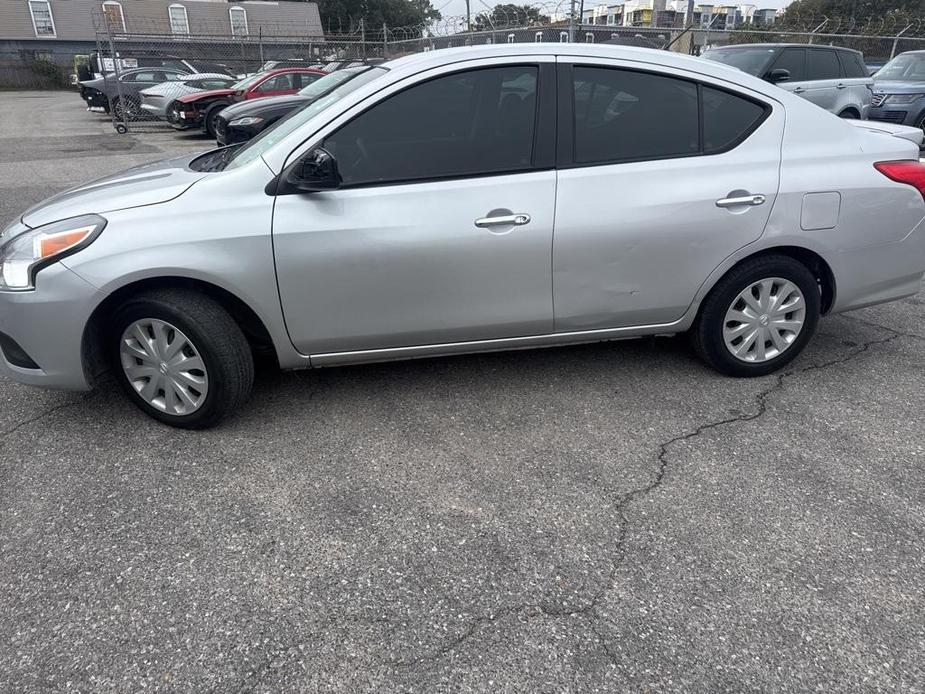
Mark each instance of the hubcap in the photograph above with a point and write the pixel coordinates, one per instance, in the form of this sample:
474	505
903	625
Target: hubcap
764	320
163	366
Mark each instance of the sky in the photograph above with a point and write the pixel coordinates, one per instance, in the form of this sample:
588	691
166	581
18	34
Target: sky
451	8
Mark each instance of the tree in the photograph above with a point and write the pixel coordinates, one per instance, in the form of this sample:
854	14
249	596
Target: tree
343	16
509	15
855	11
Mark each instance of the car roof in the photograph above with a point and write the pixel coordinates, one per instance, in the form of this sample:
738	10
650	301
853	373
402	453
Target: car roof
291	68
785	45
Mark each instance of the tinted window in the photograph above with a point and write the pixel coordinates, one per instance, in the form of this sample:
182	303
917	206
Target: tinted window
468	123
822	65
305	78
277	83
853	65
141	77
792	60
727	118
750	60
622	115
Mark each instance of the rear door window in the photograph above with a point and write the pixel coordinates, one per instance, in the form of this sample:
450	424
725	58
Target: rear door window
822	64
794	61
622	115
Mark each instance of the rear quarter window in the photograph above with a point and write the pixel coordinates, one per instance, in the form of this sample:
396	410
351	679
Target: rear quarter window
728	119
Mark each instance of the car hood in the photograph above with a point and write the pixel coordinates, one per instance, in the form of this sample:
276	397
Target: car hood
148	184
259	107
206	94
892	87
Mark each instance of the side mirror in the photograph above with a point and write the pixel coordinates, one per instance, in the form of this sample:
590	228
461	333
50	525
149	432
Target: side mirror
778	75
316	171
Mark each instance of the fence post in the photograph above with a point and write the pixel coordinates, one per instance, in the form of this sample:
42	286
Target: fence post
896	41
363	37
260	44
118	73
385	40
571	22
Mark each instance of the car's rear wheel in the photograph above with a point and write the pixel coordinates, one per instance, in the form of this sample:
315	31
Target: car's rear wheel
181	358
759	317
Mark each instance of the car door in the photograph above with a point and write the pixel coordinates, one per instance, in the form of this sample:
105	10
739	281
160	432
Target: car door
442	230
650	198
823	75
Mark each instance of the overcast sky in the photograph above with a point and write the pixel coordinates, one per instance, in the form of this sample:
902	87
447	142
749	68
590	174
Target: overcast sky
458	7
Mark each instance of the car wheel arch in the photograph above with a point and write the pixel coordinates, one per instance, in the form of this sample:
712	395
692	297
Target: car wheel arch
93	350
813	260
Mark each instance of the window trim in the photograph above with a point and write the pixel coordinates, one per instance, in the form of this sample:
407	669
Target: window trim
178	6
565	139
243	11
544	125
114	3
51	18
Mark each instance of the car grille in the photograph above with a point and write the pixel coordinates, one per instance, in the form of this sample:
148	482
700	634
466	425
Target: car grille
890	116
877	100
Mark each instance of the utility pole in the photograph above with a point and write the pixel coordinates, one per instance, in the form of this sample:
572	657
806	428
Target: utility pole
468	19
571	23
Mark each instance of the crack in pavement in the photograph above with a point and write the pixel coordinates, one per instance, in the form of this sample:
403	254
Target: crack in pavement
46	413
590	609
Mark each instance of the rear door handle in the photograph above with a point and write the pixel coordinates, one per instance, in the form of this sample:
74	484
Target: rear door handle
840	86
752	200
504	220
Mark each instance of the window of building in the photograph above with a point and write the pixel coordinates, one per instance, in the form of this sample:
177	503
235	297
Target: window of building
42	21
179	22
238	16
471	123
115	20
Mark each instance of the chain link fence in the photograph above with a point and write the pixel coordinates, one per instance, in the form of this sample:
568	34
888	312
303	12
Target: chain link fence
125	52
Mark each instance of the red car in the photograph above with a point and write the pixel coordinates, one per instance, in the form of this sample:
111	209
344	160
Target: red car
198	110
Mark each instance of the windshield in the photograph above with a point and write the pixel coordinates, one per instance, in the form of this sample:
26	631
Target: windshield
246	82
909	67
750	60
283	127
322	86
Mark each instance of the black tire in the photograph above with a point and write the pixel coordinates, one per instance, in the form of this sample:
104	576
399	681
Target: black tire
218	339
849	113
130	111
209	120
707	333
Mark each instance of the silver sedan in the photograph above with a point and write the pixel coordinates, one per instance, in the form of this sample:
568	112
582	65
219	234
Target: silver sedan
465	200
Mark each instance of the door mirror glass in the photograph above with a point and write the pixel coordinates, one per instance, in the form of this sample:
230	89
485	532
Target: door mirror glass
778	75
316	171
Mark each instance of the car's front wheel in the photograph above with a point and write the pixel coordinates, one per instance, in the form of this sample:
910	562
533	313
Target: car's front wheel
759	317
181	358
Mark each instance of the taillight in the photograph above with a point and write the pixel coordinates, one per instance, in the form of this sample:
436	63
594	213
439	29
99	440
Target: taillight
911	172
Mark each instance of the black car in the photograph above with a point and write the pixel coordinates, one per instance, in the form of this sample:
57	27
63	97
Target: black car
241	121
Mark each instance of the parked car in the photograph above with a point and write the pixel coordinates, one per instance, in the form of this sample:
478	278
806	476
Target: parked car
243	120
156	99
200	110
109	92
899	90
831	77
96	64
413	216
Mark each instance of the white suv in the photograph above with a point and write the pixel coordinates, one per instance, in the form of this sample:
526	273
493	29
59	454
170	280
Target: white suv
834	78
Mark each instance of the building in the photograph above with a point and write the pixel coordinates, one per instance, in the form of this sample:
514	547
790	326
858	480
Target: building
672	14
41	38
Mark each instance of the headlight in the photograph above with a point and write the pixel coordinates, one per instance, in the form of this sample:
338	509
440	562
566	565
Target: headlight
24	251
249	120
903	98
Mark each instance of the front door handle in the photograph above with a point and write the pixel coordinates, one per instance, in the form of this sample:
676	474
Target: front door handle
799	90
503	220
752	200
840	86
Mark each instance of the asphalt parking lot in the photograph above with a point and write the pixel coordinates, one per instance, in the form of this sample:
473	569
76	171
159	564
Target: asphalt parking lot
613	517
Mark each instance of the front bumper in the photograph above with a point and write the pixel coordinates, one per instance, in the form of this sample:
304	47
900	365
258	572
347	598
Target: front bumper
47	323
94	98
183	120
226	134
900	115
